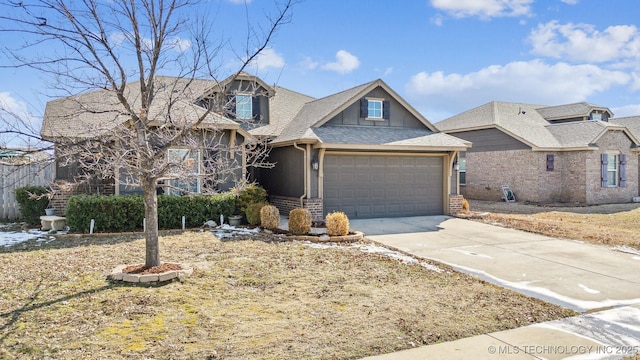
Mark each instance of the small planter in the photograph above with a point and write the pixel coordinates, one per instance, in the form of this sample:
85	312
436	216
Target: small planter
234	220
49	211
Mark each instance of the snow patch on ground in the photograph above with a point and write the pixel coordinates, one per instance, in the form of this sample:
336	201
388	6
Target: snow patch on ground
10	238
226	231
374	249
627	250
545	294
588	289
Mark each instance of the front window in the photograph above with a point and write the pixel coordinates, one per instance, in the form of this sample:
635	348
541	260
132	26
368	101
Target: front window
612	170
375	109
462	169
243	107
186	171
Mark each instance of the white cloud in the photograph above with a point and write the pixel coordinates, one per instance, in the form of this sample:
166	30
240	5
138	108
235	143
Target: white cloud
239	2
530	82
583	42
627	110
268	58
179	44
570	2
307	63
15	116
484	9
345	63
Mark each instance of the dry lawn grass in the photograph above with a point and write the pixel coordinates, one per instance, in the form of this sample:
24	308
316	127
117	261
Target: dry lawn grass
613	224
245	300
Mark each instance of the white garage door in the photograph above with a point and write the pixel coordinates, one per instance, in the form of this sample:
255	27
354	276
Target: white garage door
368	186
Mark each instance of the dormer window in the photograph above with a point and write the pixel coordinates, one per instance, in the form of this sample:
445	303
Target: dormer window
374	109
596	116
244	108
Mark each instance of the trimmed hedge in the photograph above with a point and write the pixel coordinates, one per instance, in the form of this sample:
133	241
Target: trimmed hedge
125	213
31	209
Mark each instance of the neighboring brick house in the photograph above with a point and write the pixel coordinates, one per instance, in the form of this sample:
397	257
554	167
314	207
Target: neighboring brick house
633	124
569	153
364	151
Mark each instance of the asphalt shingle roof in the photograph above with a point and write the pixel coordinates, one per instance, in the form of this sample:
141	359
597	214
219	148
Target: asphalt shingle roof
372	135
527	124
96	112
568	111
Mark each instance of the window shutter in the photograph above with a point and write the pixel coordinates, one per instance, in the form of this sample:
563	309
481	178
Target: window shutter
623	170
550	159
255	108
386	109
364	108
603	169
231	106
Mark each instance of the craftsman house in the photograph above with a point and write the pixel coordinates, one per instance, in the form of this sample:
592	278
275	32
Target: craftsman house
572	153
364	151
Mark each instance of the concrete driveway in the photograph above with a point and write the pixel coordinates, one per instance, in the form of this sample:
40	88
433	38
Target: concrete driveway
568	273
572	274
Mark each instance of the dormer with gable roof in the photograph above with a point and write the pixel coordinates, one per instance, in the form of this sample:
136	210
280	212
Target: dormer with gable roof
582	111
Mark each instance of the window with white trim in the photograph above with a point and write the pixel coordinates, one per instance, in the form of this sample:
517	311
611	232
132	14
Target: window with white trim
187	167
374	109
596	116
244	109
612	170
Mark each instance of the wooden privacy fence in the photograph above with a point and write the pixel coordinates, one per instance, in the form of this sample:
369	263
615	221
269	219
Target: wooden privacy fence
15	176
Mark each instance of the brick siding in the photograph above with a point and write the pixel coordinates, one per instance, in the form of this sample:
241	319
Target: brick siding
286	204
575	177
455	204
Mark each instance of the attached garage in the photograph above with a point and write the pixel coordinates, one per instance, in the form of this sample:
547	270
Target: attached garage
369	186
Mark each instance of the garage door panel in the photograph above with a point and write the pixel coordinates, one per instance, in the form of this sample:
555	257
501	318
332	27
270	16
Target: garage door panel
377	185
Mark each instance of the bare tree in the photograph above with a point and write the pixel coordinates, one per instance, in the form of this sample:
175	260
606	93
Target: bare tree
125	118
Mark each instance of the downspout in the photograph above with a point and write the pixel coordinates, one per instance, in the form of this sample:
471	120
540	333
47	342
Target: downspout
321	174
295	145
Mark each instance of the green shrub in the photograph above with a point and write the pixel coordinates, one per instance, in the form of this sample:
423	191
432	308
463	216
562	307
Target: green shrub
337	224
32	201
251	194
270	217
299	221
126	213
253	212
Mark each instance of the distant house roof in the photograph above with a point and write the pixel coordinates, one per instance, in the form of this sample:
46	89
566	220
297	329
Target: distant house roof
97	112
526	123
581	109
630	122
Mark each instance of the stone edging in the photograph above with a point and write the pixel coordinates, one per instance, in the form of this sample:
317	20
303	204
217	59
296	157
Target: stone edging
118	275
356	236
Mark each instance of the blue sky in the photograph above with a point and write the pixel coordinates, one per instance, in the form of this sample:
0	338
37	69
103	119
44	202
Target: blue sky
442	56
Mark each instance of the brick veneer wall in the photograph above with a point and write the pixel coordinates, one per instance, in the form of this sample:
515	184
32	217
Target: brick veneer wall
63	191
615	141
286	204
455	204
575	177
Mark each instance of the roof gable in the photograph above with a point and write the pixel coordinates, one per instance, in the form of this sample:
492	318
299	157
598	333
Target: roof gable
316	113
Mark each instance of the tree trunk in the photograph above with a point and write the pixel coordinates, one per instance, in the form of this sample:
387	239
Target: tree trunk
152	247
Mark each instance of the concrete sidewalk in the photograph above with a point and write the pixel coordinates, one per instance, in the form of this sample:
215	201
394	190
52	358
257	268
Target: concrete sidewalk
568	273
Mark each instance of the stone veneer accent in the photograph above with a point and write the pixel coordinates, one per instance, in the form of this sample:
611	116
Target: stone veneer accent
286	204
